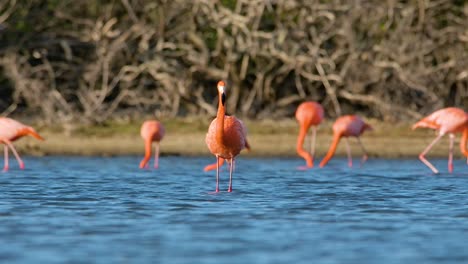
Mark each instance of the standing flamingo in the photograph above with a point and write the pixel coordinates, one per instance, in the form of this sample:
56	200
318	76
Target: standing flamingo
226	136
11	130
221	160
308	114
151	131
447	120
347	126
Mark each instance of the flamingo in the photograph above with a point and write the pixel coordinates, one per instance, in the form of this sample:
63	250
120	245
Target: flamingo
221	160
308	114
151	131
447	120
226	136
214	165
11	130
347	126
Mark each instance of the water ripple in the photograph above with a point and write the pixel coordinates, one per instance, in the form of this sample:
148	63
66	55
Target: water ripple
106	210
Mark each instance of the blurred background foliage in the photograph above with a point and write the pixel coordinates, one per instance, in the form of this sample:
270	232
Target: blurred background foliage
68	61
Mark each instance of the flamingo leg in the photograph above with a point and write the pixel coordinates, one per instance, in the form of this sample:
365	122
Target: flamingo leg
232	163
312	142
20	162
426	150
450	157
230	174
364	155
348	152
5	168
217	173
156	155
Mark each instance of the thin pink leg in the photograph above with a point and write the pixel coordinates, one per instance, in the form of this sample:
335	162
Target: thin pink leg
230	175
348	152
312	142
230	162
20	162
364	155
217	173
156	155
426	150
5	168
450	157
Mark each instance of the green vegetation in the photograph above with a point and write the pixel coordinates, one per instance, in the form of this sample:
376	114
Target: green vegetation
95	69
231	4
267	138
94	61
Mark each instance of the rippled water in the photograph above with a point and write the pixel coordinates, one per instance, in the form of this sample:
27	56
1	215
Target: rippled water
105	210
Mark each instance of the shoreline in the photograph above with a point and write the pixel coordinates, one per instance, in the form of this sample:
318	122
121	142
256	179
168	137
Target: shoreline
267	139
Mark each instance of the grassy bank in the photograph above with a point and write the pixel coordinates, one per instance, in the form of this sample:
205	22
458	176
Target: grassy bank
187	137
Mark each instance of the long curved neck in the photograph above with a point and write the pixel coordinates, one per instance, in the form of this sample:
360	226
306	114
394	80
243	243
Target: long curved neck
331	150
463	142
30	131
299	147
147	157
220	120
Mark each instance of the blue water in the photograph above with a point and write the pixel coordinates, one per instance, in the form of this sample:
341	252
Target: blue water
105	210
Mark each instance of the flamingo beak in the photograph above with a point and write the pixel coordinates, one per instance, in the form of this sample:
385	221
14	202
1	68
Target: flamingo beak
222	92
223	98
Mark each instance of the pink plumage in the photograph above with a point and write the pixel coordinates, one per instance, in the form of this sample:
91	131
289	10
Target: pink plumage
308	114
151	131
12	130
347	126
226	136
447	120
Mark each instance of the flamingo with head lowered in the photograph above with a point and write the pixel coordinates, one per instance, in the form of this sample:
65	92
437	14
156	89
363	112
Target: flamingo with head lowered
347	126
449	120
151	131
308	114
226	136
12	130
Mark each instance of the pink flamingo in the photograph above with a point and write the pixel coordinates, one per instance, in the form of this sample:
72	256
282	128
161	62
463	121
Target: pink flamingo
447	120
220	163
214	165
221	160
308	114
347	126
226	136
151	131
11	130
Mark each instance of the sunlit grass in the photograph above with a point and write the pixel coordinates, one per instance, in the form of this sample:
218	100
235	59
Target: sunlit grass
267	138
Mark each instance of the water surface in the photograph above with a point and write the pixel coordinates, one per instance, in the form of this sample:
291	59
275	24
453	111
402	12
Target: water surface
106	210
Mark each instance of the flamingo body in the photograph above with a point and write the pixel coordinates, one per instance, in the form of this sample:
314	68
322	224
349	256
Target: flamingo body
308	114
449	120
10	131
221	160
347	126
234	138
226	136
151	131
446	120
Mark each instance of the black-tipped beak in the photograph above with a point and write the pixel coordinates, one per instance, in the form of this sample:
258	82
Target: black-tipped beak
223	98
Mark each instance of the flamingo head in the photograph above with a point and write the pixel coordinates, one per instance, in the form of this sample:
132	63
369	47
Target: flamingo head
367	127
222	91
